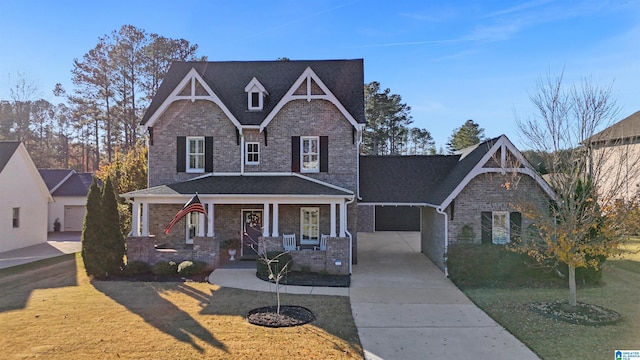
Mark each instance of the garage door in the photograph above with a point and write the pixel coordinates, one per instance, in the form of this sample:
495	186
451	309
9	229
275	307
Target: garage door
397	218
73	217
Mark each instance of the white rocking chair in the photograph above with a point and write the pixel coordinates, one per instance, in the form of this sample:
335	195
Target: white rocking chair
289	242
323	242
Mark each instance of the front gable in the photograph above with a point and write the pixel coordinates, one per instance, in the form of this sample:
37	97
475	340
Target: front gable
309	87
192	87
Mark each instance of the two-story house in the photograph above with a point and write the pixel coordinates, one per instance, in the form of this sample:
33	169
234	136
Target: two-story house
271	148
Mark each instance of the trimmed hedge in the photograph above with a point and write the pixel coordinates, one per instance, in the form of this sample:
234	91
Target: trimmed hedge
188	267
137	267
165	268
475	265
284	258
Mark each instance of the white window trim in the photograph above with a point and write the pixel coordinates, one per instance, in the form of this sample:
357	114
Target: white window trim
302	153
193	221
188	152
311	241
507	227
246	153
250	102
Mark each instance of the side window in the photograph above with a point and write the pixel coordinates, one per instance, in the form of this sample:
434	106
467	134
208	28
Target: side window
195	154
252	154
310	154
16	217
500	227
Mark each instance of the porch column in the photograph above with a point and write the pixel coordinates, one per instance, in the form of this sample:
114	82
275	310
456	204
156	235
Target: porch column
135	219
210	215
145	219
265	221
332	230
275	220
201	218
343	219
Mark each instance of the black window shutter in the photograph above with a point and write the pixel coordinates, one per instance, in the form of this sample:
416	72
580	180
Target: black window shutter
181	154
486	227
324	154
295	154
515	225
208	153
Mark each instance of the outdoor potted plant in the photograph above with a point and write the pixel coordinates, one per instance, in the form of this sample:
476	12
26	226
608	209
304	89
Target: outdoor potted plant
231	245
56	225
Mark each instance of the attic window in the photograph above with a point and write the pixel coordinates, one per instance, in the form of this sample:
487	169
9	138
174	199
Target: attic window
255	95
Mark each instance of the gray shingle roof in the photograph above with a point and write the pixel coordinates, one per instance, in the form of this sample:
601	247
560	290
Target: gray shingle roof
77	185
53	177
626	128
244	185
402	179
345	79
422	179
7	148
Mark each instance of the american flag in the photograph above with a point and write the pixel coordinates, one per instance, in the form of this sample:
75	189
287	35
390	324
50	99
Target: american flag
193	205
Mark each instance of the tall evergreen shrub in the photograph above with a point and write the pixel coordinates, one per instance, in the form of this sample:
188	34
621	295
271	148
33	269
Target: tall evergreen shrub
91	229
113	243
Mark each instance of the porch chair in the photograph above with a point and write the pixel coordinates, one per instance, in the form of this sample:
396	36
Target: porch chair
323	242
289	242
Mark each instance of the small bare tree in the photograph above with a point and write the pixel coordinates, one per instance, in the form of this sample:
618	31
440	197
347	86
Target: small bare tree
275	270
590	174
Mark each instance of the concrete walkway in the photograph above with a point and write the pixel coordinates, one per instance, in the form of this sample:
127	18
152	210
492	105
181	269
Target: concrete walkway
405	308
58	244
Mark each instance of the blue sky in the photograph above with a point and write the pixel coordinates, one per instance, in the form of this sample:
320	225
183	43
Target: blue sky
450	61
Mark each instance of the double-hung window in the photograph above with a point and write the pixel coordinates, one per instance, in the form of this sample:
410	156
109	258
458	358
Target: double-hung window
500	227
195	154
310	225
310	154
252	155
16	217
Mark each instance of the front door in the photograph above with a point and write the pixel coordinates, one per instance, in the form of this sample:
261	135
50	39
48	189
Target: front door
251	230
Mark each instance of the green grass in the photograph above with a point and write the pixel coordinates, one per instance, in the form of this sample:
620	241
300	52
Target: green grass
553	339
53	311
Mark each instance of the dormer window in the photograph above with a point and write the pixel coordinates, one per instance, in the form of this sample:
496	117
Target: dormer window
255	95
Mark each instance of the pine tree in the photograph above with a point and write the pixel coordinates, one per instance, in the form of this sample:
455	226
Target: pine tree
91	230
112	239
467	135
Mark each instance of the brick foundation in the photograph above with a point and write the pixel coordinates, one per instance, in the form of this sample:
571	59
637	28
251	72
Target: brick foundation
315	260
203	249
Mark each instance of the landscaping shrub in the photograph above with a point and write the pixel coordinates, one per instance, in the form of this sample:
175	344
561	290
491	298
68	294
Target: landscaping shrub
263	270
137	267
474	265
165	268
188	268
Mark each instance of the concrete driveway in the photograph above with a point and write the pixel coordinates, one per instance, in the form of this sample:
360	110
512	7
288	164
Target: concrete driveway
405	308
57	244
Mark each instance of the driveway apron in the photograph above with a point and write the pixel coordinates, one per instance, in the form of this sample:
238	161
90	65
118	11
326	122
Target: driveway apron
405	308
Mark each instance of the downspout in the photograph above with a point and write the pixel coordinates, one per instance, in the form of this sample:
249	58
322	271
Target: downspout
349	235
446	238
358	143
242	150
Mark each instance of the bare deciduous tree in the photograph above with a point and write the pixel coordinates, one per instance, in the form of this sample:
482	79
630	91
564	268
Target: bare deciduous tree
589	174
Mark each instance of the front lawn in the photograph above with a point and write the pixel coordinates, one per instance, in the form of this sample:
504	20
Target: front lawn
553	339
54	311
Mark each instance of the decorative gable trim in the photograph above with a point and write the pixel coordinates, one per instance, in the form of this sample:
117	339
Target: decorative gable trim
503	144
303	89
192	87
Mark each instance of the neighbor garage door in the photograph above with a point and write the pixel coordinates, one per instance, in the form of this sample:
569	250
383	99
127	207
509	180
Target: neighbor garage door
397	218
73	217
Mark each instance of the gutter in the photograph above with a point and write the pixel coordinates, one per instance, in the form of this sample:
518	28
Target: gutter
349	235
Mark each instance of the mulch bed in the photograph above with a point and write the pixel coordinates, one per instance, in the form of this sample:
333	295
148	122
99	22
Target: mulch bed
300	278
582	314
289	315
150	277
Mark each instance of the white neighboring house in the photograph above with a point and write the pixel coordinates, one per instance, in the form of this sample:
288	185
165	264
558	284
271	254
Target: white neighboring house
23	199
69	190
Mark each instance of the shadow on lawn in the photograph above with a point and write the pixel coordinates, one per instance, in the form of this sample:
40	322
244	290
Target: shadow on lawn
143	299
17	284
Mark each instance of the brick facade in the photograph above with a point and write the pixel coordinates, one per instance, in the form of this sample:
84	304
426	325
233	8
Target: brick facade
202	249
315	260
